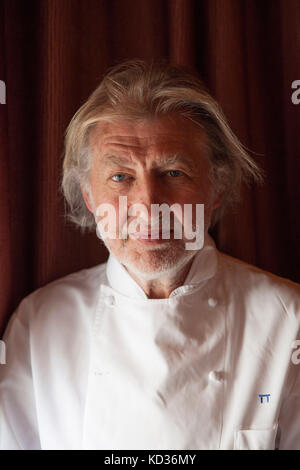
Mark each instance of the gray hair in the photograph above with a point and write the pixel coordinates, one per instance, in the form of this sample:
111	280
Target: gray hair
138	90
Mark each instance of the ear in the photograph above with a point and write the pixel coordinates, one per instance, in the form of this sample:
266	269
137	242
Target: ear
86	199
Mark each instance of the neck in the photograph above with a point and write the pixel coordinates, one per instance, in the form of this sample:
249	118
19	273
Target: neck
161	288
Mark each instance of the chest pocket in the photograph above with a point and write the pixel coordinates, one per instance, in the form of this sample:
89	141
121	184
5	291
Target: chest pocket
255	439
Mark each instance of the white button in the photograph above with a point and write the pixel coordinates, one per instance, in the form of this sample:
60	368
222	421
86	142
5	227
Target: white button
110	301
212	302
215	376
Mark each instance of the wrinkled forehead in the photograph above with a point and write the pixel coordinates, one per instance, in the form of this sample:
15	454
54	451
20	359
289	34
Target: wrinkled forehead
172	134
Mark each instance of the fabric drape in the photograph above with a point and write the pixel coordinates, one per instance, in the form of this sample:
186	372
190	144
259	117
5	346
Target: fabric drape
53	54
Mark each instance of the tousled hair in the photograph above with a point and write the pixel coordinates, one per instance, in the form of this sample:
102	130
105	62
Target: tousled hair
139	90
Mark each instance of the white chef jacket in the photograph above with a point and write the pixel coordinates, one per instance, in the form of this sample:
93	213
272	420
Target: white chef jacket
92	363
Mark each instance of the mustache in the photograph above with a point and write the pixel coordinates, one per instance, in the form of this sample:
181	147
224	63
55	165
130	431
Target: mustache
156	226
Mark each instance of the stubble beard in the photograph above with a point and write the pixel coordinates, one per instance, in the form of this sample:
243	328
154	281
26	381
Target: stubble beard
149	263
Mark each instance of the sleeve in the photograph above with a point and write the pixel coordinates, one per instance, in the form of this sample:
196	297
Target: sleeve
18	419
289	418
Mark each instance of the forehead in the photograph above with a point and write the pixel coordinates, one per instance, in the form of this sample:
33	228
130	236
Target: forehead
168	134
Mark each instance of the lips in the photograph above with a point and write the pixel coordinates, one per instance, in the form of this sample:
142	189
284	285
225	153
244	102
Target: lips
154	235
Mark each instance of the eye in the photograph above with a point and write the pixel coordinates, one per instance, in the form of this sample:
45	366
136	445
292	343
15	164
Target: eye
119	177
175	173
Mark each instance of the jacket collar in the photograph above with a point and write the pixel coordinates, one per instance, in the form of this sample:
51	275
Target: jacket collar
204	267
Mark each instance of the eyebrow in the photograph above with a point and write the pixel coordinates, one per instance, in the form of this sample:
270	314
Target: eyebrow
164	161
177	158
114	160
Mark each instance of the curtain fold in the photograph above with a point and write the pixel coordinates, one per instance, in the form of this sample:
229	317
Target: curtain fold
53	54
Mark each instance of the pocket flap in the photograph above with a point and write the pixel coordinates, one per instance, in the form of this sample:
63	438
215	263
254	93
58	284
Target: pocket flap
255	439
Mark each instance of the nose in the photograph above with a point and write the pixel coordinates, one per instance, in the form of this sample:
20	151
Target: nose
146	191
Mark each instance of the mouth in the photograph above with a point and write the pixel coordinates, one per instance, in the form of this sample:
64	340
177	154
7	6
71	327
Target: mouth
154	236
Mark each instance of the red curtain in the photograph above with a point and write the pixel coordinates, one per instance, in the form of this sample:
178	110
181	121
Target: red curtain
53	54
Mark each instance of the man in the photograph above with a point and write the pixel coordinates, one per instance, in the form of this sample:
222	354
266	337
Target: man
167	345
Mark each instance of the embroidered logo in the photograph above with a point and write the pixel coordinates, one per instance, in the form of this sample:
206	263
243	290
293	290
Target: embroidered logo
265	397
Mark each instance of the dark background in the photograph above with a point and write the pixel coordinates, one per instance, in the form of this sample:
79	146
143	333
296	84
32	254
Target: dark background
53	53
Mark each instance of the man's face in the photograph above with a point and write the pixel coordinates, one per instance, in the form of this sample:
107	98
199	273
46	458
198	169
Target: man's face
154	161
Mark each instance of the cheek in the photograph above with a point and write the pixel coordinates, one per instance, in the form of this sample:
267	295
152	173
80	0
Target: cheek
203	195
111	213
98	184
100	192
200	194
206	192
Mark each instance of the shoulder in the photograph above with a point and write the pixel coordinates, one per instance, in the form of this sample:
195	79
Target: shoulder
69	298
82	284
257	285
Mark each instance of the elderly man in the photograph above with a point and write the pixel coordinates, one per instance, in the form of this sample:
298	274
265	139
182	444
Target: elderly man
170	344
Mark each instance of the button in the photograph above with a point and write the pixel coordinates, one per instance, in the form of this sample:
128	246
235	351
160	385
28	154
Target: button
215	376
100	373
212	302
110	300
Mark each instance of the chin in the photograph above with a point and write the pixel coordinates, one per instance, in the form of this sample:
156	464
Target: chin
157	263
